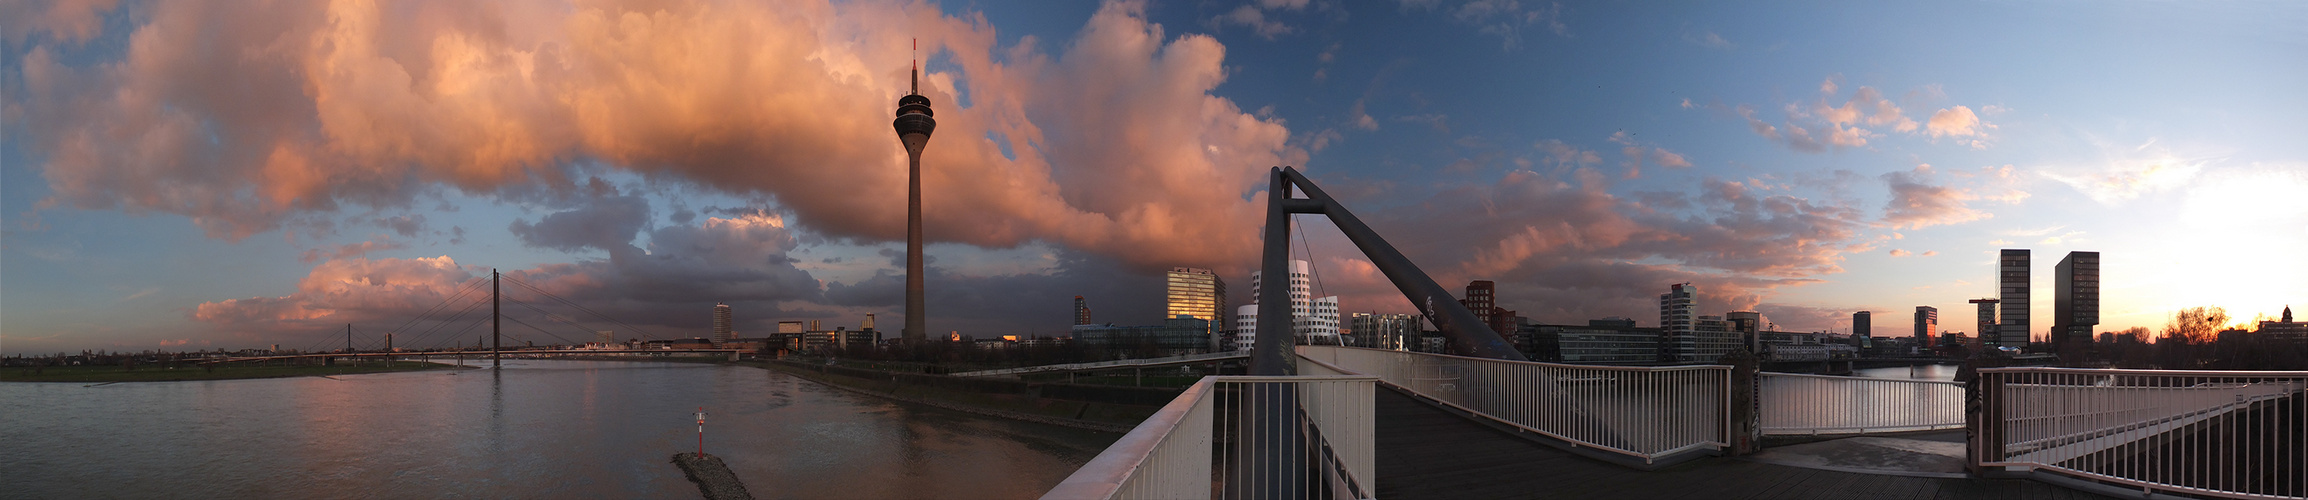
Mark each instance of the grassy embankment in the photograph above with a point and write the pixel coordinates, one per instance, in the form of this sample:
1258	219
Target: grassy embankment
1028	406
149	373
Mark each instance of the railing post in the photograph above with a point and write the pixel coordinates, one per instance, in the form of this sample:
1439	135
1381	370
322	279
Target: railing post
1746	432
1982	412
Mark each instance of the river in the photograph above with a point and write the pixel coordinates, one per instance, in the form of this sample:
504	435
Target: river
1865	401
536	429
1943	373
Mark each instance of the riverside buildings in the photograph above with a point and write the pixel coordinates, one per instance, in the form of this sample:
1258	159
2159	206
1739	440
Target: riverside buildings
1197	293
1384	331
1681	336
1314	320
1863	329
2075	300
2012	277
1175	336
2285	329
1482	299
721	326
1081	311
1987	322
1747	324
1926	322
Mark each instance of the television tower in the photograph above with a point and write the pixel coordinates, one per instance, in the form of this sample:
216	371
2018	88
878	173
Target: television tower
914	126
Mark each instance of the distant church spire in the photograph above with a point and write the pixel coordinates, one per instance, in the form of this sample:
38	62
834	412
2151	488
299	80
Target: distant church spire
2287	314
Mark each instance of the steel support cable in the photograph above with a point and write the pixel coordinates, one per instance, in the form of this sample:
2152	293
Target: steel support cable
587	310
461	333
583	331
439	324
467	287
542	292
421	337
1314	273
534	327
550	316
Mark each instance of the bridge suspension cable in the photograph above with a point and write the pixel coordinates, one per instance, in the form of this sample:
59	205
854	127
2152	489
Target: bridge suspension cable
539	330
587	310
421	338
584	332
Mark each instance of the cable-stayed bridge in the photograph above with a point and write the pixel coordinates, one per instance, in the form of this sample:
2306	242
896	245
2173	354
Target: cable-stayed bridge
437	331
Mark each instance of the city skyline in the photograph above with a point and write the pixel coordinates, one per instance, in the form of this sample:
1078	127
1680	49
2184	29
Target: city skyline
1785	160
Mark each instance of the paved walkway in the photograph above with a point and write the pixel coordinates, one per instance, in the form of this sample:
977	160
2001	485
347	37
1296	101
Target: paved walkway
1428	452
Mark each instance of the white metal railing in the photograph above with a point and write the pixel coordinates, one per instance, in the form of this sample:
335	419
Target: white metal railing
1797	404
2218	433
1322	428
1096	365
1644	412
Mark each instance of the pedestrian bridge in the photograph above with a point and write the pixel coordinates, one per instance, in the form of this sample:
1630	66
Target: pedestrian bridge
1364	423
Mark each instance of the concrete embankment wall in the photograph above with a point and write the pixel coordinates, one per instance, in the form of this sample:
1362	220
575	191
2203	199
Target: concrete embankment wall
1107	408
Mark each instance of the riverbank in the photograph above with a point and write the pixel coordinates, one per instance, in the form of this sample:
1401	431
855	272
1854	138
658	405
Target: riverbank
1098	408
148	373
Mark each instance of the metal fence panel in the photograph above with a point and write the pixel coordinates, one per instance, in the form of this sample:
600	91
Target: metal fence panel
1645	412
1800	404
1244	437
2227	434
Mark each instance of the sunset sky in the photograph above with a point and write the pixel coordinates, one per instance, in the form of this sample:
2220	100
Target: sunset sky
199	174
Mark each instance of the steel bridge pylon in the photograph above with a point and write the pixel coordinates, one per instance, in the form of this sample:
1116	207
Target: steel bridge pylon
1466	334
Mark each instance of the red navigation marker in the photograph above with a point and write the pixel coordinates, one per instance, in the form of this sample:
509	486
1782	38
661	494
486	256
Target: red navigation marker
700	432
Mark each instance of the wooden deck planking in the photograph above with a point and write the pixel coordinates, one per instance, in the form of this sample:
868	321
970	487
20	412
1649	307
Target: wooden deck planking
1427	452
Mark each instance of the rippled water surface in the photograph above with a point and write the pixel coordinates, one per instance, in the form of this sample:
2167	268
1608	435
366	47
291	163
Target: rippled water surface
537	429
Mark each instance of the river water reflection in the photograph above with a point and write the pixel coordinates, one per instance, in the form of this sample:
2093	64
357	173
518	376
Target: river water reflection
1943	373
537	429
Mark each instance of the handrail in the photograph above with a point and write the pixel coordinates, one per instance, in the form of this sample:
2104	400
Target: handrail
1645	412
1095	365
1806	404
1847	377
1171	454
2156	373
2228	434
1104	475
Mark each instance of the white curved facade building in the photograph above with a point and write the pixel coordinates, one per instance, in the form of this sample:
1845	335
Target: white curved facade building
1315	320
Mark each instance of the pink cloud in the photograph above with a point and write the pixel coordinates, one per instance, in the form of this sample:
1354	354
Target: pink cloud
1818	126
1564	252
739	259
247	123
1958	121
1916	202
350	250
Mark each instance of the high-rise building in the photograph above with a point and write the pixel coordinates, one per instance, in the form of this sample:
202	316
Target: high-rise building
721	326
1481	296
1198	293
1926	322
1081	311
1314	320
2012	276
1863	329
1987	323
914	124
1747	324
1686	337
2075	299
1482	299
